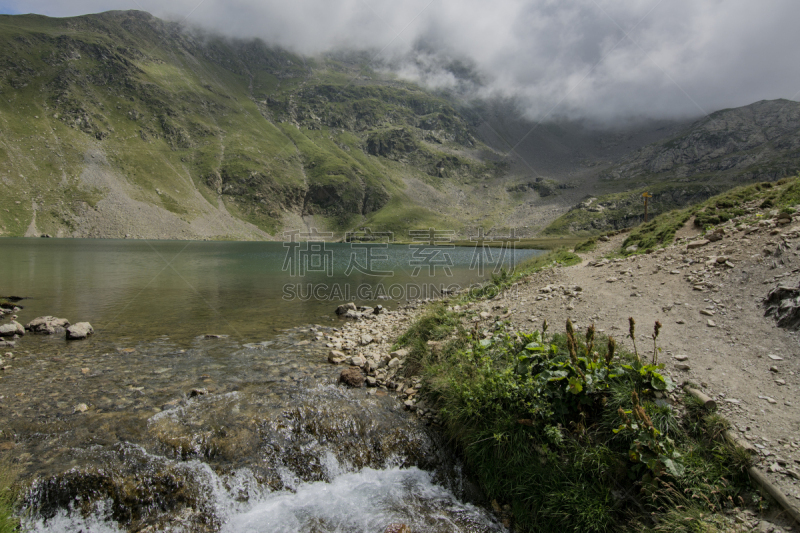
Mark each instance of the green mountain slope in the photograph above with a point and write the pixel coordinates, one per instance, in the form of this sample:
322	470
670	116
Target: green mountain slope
731	147
122	124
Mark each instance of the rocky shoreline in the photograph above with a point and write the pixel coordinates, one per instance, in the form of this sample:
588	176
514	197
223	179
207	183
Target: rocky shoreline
363	345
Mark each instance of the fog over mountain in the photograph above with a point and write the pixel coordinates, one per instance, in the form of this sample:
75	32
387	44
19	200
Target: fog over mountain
591	59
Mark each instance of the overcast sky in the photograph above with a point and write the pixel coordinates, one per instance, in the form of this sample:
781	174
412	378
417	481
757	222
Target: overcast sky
601	59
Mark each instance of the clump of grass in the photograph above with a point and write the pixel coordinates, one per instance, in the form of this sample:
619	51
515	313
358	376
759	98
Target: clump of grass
566	428
557	257
586	246
658	232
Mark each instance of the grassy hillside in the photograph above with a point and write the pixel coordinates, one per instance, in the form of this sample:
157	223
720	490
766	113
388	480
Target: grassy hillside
196	125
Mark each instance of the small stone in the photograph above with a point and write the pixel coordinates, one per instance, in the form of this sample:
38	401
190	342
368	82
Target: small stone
791	473
484	315
358	360
706	312
80	408
197	392
775	357
773	369
680	321
710	323
733	401
780	382
335	357
612	280
682	366
681	357
394	363
403	352
768	399
697	244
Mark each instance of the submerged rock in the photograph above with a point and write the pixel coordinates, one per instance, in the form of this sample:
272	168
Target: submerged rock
352	377
81	330
47	325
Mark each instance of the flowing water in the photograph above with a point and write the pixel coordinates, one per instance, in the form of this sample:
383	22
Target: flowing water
151	426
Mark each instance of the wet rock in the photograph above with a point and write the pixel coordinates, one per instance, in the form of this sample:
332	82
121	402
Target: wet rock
80	408
81	330
213	336
197	392
344	308
47	325
11	329
352	377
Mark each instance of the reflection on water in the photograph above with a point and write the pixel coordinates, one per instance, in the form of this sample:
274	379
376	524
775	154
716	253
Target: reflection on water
145	289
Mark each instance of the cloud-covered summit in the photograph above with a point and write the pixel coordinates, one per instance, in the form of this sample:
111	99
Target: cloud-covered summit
596	59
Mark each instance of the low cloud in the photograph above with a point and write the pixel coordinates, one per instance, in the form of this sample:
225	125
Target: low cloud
602	60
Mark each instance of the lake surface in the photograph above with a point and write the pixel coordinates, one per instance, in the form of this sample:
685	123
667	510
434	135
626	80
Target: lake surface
273	442
249	290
